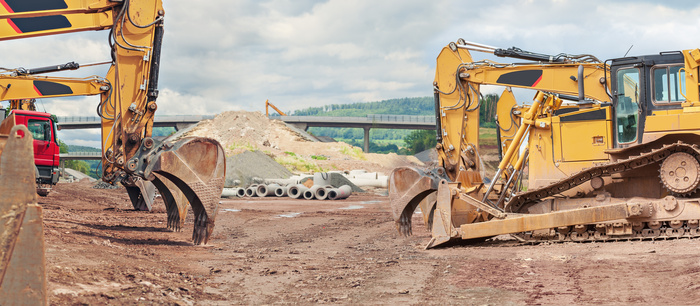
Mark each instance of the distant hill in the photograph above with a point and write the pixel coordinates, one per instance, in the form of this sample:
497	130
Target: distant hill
420	106
75	148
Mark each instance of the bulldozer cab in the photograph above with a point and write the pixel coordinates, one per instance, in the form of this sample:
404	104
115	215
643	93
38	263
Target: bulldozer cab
640	86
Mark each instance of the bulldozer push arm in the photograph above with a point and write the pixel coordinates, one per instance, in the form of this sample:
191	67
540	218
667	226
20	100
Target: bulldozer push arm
618	134
191	168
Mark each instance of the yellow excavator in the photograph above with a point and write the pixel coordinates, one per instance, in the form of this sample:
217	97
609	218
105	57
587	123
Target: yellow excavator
267	109
186	171
607	150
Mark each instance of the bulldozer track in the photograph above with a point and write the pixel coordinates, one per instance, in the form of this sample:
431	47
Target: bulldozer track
671	229
689	229
521	201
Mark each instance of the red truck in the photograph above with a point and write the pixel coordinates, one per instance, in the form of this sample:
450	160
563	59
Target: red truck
46	150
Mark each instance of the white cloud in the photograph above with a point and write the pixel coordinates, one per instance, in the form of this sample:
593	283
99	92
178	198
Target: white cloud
226	55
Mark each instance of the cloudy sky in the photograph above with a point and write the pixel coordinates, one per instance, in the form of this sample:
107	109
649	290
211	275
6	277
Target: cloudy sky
221	55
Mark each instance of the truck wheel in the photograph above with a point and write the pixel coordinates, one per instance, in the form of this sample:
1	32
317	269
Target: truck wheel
42	192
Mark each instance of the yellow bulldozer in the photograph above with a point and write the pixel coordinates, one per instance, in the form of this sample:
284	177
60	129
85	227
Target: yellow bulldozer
606	150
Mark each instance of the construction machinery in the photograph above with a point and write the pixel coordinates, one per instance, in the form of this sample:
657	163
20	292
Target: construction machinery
46	150
184	170
27	83
267	110
190	170
607	150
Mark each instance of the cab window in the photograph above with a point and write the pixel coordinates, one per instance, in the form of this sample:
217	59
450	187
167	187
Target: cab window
627	108
38	128
669	83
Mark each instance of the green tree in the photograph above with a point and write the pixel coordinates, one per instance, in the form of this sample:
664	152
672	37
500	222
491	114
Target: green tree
79	165
487	111
420	140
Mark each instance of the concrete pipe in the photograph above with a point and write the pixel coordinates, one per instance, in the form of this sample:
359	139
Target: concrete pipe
354	173
321	193
367	176
311	193
296	191
281	192
229	193
251	191
240	192
340	193
380	182
322	178
266	190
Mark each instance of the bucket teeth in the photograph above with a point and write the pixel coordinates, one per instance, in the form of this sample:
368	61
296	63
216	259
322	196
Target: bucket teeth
175	202
195	167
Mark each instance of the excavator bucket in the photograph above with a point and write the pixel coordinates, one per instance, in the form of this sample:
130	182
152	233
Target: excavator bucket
22	255
196	167
141	193
408	188
175	202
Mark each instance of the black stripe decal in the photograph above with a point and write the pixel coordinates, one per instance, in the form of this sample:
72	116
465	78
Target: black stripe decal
520	78
46	88
19	6
36	24
593	115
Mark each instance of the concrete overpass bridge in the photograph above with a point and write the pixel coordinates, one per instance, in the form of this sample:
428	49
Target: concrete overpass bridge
93	122
366	123
302	122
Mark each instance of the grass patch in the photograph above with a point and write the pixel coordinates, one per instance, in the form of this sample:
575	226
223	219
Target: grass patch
487	136
246	146
319	157
353	152
297	164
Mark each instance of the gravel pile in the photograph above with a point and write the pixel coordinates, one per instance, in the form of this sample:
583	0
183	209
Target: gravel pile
338	180
245	168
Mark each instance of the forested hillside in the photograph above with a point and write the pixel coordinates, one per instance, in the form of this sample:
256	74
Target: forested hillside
386	140
421	106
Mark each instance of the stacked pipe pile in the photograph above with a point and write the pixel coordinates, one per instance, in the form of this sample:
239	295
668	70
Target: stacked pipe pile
321	189
295	191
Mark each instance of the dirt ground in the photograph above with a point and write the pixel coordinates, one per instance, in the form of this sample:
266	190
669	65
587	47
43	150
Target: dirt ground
267	251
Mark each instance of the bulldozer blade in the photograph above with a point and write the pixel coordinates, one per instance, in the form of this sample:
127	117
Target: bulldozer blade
175	202
408	187
22	254
142	194
196	166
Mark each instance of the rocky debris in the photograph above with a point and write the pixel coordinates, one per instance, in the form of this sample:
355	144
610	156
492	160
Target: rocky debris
104	185
427	156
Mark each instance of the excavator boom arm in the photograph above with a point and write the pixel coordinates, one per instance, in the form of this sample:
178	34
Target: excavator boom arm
193	168
35	87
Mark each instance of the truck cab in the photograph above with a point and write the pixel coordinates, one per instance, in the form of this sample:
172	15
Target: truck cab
46	149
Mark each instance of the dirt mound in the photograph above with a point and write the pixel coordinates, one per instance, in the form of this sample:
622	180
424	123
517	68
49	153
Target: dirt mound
240	131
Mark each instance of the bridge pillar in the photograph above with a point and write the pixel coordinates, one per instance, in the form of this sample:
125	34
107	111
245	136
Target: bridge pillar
366	139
